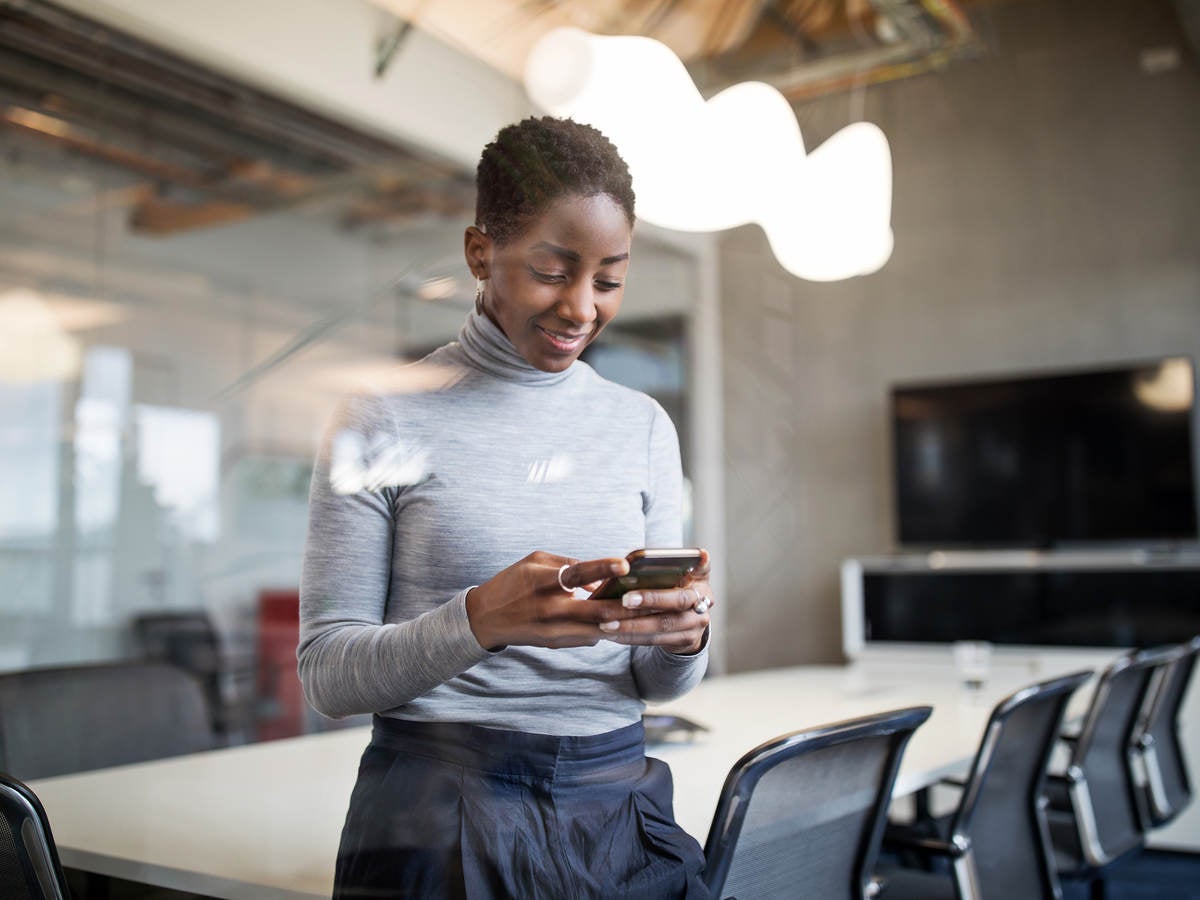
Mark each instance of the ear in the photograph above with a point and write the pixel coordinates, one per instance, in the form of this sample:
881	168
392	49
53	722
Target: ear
477	248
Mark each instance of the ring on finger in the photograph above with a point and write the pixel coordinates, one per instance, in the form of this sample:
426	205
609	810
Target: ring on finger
562	569
703	605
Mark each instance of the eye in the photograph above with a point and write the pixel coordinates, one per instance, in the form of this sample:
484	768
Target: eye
608	285
546	277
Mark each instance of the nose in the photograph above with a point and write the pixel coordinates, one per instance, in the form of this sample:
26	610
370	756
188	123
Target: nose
577	302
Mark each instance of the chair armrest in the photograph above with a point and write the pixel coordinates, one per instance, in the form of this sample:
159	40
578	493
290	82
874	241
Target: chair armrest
1056	793
1063	779
902	841
953	782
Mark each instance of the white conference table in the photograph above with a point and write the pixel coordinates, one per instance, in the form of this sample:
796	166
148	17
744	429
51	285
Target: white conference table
262	821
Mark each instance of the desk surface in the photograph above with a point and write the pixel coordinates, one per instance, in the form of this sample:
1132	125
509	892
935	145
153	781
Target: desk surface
263	821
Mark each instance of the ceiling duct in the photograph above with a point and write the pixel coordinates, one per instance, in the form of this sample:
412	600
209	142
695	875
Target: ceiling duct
211	149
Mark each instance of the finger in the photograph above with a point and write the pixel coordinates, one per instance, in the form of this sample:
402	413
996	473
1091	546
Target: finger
673	600
681	641
557	583
580	574
597	611
682	628
700	573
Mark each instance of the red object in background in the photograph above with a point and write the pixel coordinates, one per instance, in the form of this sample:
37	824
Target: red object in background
281	701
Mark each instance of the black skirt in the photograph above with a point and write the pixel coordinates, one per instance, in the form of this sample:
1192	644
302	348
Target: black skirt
444	810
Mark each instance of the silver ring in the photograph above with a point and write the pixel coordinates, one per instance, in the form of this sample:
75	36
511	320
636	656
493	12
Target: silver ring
562	569
703	605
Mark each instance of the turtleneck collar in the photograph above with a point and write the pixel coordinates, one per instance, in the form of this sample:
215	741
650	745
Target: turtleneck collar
488	348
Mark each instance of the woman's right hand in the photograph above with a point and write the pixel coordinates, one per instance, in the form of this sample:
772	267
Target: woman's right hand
525	603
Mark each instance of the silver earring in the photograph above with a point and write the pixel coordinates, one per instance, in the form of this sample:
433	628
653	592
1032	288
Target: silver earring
479	296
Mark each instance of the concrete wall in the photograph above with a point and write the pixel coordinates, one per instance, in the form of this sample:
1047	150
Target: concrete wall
1046	213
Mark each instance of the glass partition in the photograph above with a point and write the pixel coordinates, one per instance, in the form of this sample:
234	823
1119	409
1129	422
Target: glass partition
164	382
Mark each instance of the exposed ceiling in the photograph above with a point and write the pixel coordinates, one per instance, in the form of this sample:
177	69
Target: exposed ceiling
802	47
202	150
199	150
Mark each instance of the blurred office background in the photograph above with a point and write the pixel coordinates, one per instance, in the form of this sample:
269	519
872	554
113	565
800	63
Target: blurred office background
216	218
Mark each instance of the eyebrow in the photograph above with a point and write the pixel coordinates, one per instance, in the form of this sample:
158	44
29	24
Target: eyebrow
572	256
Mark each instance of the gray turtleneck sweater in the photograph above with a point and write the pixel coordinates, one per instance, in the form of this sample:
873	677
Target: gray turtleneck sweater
418	495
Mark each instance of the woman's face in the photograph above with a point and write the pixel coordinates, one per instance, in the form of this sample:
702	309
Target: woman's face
552	288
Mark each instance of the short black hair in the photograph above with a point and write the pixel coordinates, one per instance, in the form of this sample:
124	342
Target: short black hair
535	162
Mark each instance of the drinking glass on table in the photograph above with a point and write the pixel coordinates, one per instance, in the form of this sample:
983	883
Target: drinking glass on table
973	659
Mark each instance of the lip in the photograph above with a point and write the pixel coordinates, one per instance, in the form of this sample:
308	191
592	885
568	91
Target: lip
563	342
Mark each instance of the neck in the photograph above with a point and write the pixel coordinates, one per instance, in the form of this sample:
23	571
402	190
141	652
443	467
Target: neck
488	348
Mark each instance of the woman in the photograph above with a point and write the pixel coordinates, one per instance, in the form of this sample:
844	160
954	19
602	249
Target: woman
448	533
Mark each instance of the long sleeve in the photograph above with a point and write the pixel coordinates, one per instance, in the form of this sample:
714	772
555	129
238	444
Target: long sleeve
659	674
350	660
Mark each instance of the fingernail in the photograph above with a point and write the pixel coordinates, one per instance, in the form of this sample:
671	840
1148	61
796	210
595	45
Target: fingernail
609	626
632	599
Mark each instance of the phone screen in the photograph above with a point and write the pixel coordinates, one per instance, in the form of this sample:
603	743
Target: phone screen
650	570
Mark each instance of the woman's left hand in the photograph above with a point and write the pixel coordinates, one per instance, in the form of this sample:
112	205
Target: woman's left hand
680	615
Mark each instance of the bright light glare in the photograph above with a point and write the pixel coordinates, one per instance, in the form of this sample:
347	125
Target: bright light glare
735	159
361	464
33	346
1170	388
435	289
179	456
556	468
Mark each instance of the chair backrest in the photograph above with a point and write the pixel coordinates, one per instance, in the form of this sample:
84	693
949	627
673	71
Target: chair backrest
803	815
1167	788
188	640
29	866
70	719
1000	818
1099	774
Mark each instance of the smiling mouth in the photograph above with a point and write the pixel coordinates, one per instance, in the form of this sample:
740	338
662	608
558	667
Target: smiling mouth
563	342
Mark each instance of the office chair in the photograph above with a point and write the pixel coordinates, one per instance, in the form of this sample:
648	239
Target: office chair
1163	787
29	866
1092	808
60	720
188	639
996	840
803	814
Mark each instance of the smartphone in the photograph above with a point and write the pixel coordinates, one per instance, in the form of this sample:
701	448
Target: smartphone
651	570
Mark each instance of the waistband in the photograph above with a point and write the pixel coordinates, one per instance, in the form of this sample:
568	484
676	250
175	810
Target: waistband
514	753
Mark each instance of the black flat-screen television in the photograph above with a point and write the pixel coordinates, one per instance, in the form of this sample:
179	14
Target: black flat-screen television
1068	458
